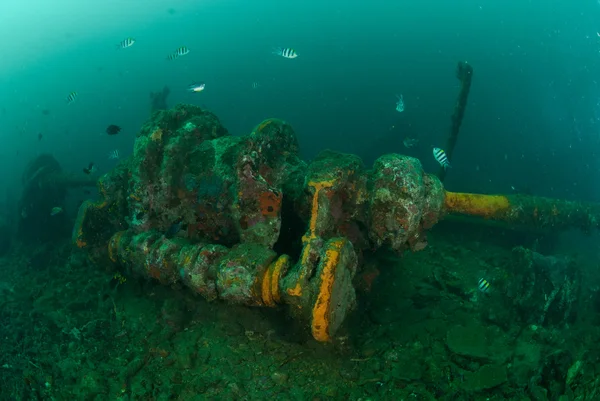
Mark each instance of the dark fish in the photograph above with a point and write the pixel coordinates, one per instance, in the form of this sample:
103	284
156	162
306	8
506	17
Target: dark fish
87	191
45	112
40	136
90	169
174	229
113	129
171	11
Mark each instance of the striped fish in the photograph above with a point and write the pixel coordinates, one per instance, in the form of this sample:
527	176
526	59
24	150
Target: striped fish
286	52
441	157
125	43
483	285
71	97
181	51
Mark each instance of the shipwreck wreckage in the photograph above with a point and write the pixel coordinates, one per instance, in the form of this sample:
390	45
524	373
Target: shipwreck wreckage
246	221
263	227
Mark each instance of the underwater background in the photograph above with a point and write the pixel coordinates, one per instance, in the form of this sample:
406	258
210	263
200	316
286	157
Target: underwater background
533	112
425	326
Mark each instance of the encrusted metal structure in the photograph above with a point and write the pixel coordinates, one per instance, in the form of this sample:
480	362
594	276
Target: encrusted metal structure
245	220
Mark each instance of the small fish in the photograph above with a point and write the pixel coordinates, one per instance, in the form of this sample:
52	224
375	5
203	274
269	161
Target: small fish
113	129
286	52
71	97
40	136
181	51
55	210
197	87
174	229
483	285
400	104
125	43
255	85
410	142
441	157
90	169
114	155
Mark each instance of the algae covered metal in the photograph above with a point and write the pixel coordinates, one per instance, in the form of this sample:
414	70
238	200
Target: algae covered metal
259	226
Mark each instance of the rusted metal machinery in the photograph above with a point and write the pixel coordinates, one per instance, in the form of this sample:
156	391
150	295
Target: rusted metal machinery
245	220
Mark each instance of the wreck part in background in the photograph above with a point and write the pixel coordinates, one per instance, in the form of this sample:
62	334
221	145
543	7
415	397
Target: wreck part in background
254	224
464	73
158	100
45	186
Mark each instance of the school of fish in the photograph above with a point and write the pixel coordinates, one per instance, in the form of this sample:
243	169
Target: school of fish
285	52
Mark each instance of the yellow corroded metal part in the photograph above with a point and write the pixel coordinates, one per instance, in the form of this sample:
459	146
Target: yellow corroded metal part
320	286
271	280
529	212
305	266
307	239
487	206
314	215
335	296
